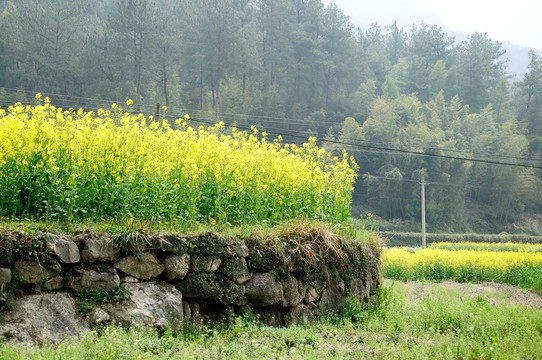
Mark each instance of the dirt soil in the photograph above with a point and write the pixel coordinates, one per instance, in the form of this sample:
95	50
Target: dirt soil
497	294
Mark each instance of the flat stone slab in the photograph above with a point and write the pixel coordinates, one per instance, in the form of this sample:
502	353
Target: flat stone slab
92	279
264	289
100	251
35	272
144	266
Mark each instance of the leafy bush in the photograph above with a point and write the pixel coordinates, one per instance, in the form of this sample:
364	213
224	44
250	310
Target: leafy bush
57	163
358	312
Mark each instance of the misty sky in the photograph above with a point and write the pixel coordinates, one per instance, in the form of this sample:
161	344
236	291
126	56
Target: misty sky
517	21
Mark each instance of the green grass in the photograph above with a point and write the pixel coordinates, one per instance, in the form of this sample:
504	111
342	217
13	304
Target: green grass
89	298
119	229
442	324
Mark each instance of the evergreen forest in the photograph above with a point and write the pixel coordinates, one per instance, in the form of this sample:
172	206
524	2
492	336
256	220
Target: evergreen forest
410	105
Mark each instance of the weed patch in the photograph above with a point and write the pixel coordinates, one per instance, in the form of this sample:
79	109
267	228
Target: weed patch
89	298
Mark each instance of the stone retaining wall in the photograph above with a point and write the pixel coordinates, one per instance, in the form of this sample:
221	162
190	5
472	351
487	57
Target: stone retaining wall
169	279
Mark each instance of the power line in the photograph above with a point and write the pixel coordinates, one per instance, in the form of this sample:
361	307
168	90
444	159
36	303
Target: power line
478	187
367	197
383	149
279	120
293	121
400	151
271	130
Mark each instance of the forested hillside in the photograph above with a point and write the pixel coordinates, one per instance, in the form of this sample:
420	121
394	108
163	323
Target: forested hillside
299	69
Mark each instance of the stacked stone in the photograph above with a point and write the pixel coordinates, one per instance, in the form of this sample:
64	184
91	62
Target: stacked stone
201	278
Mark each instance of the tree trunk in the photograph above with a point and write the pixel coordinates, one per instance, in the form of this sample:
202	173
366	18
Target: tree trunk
218	100
328	85
201	87
244	83
138	56
164	77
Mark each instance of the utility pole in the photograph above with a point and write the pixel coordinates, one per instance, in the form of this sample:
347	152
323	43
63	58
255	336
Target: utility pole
423	213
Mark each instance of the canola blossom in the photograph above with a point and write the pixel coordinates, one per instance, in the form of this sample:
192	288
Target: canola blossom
508	246
57	163
523	268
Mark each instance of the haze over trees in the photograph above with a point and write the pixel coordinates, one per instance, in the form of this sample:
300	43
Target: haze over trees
298	68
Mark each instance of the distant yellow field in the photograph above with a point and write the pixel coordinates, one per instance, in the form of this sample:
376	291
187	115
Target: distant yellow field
508	246
519	267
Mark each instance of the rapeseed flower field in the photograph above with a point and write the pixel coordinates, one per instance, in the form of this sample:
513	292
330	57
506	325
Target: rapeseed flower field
467	263
111	164
507	246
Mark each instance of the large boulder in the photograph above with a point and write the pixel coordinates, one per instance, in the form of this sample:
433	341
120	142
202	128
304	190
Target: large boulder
176	266
81	279
299	314
264	289
35	272
358	289
290	288
100	251
144	266
332	297
235	268
217	288
156	304
208	264
42	318
64	250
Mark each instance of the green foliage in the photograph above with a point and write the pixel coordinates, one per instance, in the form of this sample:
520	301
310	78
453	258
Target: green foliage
15	282
88	165
359	313
89	298
103	296
296	67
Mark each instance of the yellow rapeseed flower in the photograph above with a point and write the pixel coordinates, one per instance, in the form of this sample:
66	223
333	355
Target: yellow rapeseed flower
171	174
462	264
